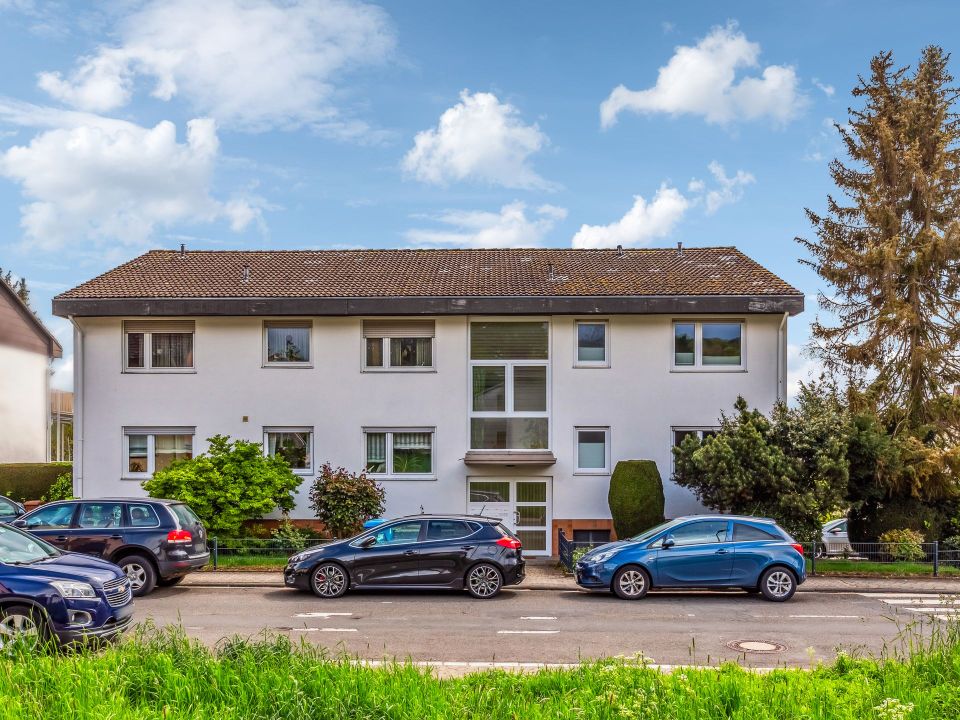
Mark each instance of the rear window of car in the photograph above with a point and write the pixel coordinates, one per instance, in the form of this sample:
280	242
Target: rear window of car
505	531
185	516
142	515
752	532
448	529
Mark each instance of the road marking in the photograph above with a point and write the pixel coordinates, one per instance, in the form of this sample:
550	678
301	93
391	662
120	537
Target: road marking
926	604
537	617
527	632
915	601
321	615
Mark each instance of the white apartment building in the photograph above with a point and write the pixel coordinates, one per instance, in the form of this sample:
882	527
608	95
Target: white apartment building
507	382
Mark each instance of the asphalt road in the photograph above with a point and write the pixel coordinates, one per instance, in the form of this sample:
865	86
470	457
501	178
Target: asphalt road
540	626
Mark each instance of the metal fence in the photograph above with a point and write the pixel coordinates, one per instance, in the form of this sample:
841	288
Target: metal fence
852	558
251	552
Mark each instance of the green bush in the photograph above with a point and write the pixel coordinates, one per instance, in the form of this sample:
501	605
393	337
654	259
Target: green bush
904	544
635	497
229	484
30	481
343	501
62	489
870	520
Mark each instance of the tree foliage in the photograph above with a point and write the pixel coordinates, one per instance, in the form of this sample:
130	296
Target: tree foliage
791	466
233	481
18	286
635	497
343	500
891	250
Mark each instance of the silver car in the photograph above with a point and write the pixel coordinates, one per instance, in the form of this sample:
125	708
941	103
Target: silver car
834	540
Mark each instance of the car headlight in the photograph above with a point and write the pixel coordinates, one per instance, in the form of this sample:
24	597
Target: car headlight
602	556
71	589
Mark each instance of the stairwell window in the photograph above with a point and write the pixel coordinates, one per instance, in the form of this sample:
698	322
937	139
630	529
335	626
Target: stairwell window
593	450
399	345
158	346
592	344
708	345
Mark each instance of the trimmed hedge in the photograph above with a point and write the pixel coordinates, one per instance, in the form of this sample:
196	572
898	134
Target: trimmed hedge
30	481
635	497
871	520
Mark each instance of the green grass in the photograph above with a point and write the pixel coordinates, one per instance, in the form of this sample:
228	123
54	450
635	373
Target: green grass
164	675
865	567
249	562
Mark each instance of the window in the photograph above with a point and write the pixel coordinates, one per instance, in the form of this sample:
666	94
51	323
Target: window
148	450
592	448
591	344
679	434
700	533
399	452
8	508
398	344
592	537
295	445
449	529
711	345
143	515
286	344
489	492
509	402
101	515
50	517
399	534
158	345
746	533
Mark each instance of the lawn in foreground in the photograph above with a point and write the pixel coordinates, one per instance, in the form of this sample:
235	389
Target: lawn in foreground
162	674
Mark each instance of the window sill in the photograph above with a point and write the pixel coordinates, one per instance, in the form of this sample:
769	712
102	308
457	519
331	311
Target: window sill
592	366
718	369
138	478
593	473
398	370
392	478
160	371
287	366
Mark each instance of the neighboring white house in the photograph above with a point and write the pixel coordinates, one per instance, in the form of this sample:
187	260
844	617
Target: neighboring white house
507	382
26	349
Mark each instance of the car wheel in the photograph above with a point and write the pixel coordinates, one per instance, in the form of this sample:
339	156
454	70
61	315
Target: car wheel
140	573
778	584
23	626
329	580
170	582
631	582
821	551
484	581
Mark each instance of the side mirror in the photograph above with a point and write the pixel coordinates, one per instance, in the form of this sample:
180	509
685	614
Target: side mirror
19	523
668	542
368	542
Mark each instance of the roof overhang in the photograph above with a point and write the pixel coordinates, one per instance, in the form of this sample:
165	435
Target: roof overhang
492	305
54	350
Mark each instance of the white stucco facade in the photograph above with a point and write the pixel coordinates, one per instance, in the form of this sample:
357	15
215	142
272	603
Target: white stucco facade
639	396
24	405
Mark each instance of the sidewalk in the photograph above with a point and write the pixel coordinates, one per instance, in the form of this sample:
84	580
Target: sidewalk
548	577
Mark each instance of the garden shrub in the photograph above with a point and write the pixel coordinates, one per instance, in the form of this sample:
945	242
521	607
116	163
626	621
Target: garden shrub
343	501
30	481
635	497
290	535
62	489
904	544
870	520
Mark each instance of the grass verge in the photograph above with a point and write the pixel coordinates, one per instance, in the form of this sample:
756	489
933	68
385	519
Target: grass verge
840	566
162	674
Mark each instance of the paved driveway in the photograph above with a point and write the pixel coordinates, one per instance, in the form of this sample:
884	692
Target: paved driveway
544	626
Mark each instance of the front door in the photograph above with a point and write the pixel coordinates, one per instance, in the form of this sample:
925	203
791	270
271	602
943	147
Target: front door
394	559
522	504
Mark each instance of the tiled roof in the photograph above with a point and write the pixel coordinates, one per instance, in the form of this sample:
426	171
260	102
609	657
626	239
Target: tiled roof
722	271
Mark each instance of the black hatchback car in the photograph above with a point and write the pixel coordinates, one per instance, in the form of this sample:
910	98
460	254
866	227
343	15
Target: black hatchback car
156	542
455	552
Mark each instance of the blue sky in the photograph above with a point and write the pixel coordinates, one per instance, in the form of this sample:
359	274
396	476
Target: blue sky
130	125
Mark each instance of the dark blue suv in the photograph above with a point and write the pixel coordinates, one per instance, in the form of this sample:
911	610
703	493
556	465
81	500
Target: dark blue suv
704	551
46	594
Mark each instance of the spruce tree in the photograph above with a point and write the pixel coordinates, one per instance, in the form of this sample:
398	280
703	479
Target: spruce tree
890	247
18	286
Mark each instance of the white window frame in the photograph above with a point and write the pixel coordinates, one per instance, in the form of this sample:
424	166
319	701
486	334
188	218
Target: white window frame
291	429
577	362
308	324
698	429
509	366
606	469
698	365
148	354
387	367
151	433
389	432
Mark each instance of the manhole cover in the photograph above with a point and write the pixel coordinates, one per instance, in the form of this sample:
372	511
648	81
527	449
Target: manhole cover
756	646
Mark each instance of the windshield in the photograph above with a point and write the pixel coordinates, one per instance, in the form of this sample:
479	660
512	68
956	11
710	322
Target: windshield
647	534
18	548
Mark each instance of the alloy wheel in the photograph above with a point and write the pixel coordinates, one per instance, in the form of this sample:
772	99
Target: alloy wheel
484	581
136	574
779	583
16	628
329	580
632	583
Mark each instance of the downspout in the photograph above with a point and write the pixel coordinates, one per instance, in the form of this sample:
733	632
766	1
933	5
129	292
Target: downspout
782	359
77	408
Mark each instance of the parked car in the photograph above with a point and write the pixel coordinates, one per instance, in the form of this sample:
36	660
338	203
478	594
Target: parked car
706	551
46	594
10	510
156	542
455	552
834	540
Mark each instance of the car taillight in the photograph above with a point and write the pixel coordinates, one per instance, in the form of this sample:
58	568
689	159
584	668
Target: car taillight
798	547
509	543
179	536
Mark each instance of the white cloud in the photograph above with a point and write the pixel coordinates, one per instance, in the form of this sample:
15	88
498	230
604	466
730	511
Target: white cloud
702	80
800	368
728	189
827	90
644	222
252	64
511	227
479	139
118	181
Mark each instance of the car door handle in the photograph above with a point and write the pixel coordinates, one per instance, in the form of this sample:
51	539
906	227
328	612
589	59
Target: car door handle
722	551
410	552
467	547
116	537
61	538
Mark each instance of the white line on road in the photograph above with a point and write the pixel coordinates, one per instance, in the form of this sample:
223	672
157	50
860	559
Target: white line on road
537	617
527	632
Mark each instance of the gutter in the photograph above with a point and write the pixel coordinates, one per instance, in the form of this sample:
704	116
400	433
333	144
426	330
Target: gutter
782	359
77	408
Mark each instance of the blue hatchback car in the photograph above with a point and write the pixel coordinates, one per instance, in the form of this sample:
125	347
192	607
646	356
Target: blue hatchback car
47	594
703	551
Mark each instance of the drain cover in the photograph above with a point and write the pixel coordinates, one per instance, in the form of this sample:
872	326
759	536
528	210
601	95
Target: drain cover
756	646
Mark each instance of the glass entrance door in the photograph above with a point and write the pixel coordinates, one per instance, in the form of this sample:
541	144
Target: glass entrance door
523	505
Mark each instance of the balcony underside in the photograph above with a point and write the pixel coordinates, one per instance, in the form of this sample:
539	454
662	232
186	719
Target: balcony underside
510	458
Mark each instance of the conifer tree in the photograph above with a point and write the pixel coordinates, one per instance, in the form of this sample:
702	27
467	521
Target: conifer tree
18	286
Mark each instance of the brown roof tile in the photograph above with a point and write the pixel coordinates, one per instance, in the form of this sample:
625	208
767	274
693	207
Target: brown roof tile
434	273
